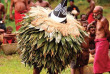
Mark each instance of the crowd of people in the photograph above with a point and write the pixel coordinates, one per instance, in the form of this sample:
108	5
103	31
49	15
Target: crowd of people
94	23
20	7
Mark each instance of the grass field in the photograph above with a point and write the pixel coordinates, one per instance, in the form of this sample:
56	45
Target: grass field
12	64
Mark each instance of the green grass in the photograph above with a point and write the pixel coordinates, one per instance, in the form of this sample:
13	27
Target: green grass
11	64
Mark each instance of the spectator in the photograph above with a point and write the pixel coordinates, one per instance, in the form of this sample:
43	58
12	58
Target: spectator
43	3
1	36
90	12
101	62
84	24
91	39
31	3
8	36
83	19
2	19
73	10
82	58
21	7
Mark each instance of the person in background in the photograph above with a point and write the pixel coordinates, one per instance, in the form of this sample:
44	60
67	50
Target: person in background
1	36
82	58
90	12
101	60
31	3
8	36
91	39
2	17
83	19
73	10
84	24
42	3
21	7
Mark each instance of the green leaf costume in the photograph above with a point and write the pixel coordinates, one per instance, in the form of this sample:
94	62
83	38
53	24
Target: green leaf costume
47	43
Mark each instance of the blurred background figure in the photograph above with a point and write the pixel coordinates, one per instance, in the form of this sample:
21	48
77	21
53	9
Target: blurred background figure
90	12
84	24
31	3
1	36
2	17
73	10
83	19
82	58
91	39
21	7
8	36
42	3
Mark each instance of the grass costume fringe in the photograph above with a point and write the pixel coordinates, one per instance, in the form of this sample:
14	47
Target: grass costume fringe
47	43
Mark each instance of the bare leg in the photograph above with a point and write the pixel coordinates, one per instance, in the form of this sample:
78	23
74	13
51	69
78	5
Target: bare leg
81	70
56	73
49	70
72	71
36	71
